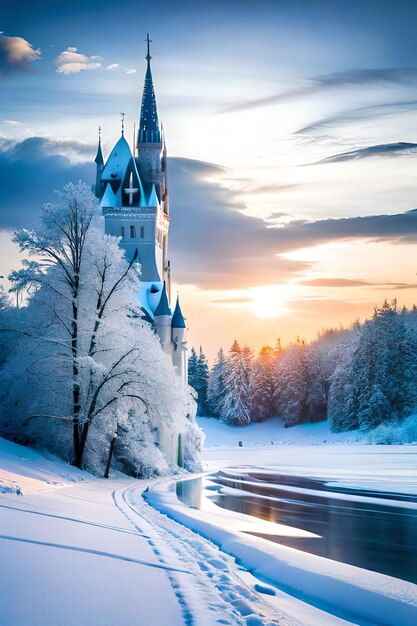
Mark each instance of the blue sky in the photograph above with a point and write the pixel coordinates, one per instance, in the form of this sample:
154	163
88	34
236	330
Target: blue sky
287	122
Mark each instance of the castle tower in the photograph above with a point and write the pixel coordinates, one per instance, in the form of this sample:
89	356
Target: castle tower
99	161
151	159
133	195
179	355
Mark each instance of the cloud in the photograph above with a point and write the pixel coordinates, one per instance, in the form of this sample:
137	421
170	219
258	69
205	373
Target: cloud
213	242
112	67
335	282
230	300
12	123
395	228
387	149
337	80
130	71
376	111
70	61
16	55
345	282
29	174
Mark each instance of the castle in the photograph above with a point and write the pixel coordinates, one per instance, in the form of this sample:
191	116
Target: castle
133	193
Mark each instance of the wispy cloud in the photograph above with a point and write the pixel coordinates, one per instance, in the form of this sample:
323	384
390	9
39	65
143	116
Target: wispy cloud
12	123
387	149
112	67
70	61
346	282
350	78
132	71
16	54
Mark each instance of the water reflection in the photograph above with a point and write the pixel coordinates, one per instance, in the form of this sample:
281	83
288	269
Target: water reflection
366	534
190	492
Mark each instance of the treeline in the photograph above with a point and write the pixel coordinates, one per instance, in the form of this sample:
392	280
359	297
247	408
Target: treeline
357	378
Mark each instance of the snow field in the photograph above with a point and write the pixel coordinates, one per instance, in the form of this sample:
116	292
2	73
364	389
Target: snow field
211	591
356	595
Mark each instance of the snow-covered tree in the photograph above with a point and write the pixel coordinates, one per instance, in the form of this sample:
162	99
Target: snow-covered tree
85	367
238	393
216	385
377	383
198	373
263	385
292	379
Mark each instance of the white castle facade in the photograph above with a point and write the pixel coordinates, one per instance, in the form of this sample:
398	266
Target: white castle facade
133	193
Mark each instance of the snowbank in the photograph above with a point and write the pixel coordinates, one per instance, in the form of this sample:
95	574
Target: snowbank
23	470
271	432
343	590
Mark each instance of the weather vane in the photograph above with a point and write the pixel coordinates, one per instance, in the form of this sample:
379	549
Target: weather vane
122	117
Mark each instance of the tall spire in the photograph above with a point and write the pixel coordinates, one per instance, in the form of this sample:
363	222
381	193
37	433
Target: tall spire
149	130
99	161
99	156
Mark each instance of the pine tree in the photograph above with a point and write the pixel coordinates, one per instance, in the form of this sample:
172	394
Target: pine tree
237	398
377	384
263	384
216	385
198	378
292	384
203	375
193	369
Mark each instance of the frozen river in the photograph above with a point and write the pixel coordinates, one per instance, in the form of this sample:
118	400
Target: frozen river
369	529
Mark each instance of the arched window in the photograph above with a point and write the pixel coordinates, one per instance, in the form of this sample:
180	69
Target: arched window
142	232
132	232
122	232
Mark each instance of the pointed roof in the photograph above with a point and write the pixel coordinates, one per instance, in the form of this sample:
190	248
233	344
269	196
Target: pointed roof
178	320
118	161
109	199
153	198
163	306
99	156
149	130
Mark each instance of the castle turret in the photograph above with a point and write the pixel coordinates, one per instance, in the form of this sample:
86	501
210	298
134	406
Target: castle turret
179	355
162	321
99	161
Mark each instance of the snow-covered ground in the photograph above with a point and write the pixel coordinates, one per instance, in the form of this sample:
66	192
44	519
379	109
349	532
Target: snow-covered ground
219	434
75	549
312	450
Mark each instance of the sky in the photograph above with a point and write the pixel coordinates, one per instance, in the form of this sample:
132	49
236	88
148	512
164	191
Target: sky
292	137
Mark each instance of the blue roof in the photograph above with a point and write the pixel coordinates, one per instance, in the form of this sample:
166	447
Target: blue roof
149	129
99	156
163	306
178	320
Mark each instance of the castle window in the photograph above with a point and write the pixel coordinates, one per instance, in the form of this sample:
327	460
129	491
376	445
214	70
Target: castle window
142	232
132	232
122	232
